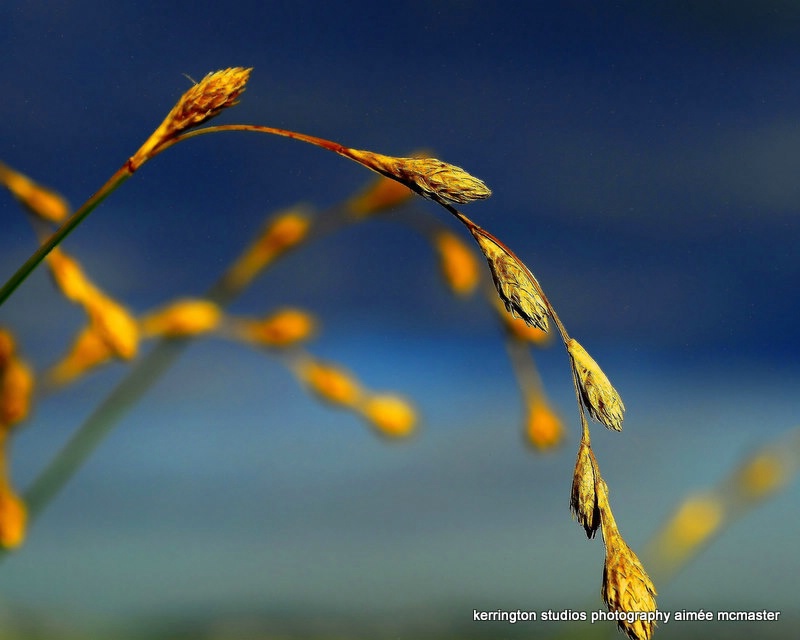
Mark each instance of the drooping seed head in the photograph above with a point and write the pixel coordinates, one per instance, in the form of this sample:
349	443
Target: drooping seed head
599	397
628	588
514	282
626	585
430	177
583	499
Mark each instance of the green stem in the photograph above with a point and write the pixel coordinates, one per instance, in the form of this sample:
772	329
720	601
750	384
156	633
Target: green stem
72	456
54	240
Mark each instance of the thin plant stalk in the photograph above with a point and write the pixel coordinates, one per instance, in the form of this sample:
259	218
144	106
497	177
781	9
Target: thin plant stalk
122	174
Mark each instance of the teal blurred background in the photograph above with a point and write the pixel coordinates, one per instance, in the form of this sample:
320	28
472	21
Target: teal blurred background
643	158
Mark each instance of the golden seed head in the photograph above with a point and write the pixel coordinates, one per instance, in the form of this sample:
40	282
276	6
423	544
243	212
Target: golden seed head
697	519
393	416
584	499
429	177
601	399
381	194
517	328
282	232
69	277
331	383
183	318
40	201
514	282
216	91
13	519
762	475
544	429
88	350
115	324
16	390
457	262
7	346
284	328
204	100
627	587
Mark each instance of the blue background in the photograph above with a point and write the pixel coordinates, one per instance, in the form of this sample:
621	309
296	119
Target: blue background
643	158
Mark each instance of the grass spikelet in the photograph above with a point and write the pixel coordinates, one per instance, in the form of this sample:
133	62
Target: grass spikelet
183	318
215	92
583	499
429	177
16	384
13	518
626	585
457	263
762	475
284	328
544	428
110	319
69	277
115	324
330	383
392	416
516	327
514	282
16	390
380	195
696	520
282	232
601	399
88	351
40	201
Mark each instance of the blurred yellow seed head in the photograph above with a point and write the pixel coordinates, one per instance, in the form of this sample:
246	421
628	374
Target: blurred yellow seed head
457	262
187	317
283	328
331	383
13	519
696	520
41	201
88	351
115	324
762	475
391	415
16	391
380	195
544	429
282	233
69	277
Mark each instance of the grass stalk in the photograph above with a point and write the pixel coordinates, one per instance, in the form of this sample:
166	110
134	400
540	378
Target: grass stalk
69	225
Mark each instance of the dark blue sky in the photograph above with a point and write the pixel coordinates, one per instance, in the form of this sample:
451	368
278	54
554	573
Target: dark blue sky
643	158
